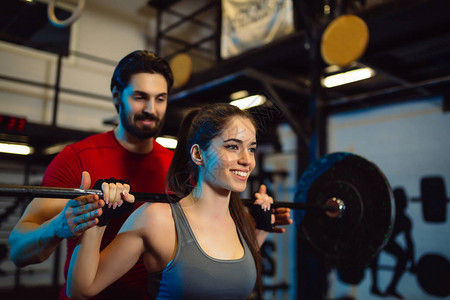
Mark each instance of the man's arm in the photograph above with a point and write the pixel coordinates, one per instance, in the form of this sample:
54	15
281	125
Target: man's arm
46	222
34	237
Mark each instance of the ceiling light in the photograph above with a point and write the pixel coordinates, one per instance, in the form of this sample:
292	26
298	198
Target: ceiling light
348	77
56	148
249	101
239	95
15	149
167	142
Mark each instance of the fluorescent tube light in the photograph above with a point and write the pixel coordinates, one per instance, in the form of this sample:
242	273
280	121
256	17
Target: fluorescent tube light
249	101
56	148
15	149
347	77
167	142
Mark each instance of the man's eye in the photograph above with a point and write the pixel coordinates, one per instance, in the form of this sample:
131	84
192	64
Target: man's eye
252	150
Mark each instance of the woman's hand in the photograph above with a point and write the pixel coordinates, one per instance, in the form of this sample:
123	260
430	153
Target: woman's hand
263	199
280	216
263	217
115	193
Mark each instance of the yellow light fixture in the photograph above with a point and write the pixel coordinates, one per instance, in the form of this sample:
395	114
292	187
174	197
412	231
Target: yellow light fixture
167	142
249	101
16	149
239	94
347	77
181	65
344	40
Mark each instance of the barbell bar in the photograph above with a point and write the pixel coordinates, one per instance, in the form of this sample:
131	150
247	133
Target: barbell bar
343	206
70	193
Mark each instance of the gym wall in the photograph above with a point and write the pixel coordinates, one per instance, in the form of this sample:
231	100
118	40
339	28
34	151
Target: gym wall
100	32
408	141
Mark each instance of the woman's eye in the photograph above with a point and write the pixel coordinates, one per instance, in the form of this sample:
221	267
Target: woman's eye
233	147
252	150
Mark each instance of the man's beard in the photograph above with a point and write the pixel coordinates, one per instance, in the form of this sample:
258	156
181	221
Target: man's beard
142	133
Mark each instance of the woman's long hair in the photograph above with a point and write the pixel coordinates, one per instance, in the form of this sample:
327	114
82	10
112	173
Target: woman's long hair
200	126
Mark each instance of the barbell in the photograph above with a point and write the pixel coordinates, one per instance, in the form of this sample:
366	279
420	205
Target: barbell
348	203
356	235
71	193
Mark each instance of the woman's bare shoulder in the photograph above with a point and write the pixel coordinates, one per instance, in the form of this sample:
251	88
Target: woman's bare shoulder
149	216
154	218
159	235
155	213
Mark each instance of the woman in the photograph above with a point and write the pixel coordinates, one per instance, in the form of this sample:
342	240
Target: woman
203	246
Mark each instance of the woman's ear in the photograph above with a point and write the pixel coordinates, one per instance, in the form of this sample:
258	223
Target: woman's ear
196	155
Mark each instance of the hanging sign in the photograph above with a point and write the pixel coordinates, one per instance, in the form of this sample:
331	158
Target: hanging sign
248	24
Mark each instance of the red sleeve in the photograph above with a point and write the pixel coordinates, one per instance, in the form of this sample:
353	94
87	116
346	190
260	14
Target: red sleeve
64	170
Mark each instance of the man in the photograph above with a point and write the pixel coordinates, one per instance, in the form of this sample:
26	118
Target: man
140	87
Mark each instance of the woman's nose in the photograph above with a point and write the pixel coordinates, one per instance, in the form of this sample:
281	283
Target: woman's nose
244	158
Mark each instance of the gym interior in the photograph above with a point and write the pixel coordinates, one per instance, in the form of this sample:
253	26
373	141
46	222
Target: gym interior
54	91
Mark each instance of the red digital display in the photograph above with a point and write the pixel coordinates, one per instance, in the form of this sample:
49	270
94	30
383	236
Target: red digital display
12	123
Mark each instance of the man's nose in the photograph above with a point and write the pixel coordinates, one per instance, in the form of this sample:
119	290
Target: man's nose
150	106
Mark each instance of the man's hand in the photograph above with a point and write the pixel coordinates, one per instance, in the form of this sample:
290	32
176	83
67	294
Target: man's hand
80	213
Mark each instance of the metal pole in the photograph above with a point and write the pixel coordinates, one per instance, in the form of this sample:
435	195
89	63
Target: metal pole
57	83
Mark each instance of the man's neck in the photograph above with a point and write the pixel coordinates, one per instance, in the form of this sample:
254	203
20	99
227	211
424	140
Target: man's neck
131	143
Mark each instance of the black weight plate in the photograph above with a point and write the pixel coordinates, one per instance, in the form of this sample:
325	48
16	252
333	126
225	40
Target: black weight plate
363	229
433	274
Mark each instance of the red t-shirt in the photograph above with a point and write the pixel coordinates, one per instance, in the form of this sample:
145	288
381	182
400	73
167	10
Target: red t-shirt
103	157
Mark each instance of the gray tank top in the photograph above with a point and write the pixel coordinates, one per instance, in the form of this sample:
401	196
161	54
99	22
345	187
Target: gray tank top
192	274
